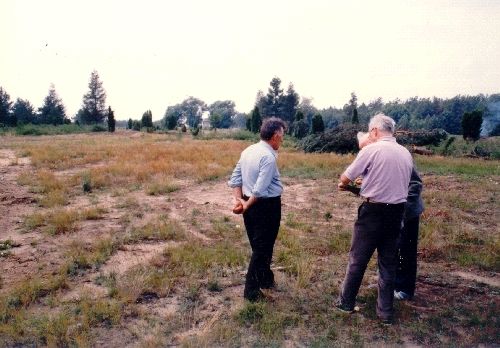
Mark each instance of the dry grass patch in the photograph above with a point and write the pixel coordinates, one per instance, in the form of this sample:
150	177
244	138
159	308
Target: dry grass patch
60	221
163	229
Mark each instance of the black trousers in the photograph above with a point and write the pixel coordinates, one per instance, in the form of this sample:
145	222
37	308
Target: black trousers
262	222
377	227
406	274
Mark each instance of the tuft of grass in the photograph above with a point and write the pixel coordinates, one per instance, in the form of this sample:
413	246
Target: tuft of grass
54	198
61	221
163	229
339	241
161	188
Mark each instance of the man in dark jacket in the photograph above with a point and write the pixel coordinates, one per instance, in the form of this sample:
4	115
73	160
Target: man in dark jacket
406	273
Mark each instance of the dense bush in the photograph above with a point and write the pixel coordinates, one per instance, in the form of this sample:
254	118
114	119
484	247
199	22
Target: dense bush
340	140
421	137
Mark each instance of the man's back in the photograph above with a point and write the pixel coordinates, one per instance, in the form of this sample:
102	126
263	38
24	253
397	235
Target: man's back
386	169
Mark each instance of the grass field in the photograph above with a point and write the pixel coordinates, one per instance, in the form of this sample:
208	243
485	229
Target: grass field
127	239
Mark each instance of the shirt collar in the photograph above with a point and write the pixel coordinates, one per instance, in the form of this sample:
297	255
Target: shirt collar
266	145
388	138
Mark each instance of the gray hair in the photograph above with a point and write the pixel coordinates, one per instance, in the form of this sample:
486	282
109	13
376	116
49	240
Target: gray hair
270	126
383	123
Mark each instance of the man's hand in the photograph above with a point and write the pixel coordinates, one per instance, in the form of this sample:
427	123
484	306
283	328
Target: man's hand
343	182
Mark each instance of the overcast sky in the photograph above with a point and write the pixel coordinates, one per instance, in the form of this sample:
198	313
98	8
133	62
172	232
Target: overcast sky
152	54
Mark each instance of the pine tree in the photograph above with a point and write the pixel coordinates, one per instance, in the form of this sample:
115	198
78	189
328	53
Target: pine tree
256	120
471	124
53	110
5	107
111	120
147	119
355	119
94	102
24	112
317	125
129	123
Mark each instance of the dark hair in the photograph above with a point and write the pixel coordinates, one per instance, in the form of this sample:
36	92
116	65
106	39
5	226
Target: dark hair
270	126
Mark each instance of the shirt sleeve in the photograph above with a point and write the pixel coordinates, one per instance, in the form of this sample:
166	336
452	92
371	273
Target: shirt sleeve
358	166
236	180
267	168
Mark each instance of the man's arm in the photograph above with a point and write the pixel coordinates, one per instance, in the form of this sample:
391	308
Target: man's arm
267	168
343	182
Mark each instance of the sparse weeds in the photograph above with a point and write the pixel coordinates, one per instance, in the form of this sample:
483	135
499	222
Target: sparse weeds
163	229
161	188
61	220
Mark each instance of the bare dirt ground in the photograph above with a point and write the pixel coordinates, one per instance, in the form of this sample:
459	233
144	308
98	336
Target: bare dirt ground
36	253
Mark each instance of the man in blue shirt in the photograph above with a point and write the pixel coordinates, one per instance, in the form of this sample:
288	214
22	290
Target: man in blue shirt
256	184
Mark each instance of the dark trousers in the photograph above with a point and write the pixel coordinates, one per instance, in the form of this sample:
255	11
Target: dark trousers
377	227
262	222
406	273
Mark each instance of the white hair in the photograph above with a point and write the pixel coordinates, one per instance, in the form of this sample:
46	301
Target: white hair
383	123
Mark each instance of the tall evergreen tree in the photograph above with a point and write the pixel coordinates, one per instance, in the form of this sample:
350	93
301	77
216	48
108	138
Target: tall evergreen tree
24	112
94	102
256	120
355	119
350	106
147	119
317	125
300	126
53	110
471	124
5	107
111	120
272	104
129	123
290	104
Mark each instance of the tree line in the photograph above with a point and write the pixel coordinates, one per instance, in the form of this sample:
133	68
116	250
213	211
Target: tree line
299	112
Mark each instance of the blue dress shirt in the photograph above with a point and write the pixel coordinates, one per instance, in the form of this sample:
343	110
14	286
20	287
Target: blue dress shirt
257	172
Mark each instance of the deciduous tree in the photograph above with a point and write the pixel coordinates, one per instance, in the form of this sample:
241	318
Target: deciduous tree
225	109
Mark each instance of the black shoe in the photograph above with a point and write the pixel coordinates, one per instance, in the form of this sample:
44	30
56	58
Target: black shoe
339	305
386	321
254	296
270	285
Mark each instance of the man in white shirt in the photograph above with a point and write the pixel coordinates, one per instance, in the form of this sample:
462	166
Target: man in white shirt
386	168
256	184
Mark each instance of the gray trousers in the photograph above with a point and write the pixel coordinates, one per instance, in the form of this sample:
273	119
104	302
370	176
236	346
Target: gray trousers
377	227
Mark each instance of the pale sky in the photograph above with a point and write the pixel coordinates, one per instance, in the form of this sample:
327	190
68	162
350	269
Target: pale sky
152	54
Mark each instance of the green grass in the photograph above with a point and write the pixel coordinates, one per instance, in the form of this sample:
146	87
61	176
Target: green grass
472	168
161	230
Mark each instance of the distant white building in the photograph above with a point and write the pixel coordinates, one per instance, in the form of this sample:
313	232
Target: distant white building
205	120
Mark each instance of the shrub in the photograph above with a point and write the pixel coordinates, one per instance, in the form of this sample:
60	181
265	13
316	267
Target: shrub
341	140
421	137
99	128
